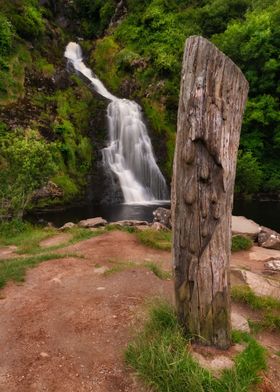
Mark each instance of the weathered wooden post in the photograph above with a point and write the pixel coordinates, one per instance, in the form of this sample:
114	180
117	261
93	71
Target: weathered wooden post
212	100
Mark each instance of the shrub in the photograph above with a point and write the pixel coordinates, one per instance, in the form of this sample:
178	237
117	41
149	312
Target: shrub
27	165
248	173
29	22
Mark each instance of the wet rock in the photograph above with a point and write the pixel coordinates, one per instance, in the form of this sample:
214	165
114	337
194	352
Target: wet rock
68	225
163	216
61	79
269	239
92	222
244	226
51	190
239	323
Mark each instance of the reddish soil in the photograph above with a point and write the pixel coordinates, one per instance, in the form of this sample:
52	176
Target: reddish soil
7	252
58	239
66	328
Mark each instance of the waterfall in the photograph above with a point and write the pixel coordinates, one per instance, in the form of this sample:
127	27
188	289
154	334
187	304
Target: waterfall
129	153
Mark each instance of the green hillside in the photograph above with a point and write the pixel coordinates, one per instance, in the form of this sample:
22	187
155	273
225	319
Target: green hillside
50	123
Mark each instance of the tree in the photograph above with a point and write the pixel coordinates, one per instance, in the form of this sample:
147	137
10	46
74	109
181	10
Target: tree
26	164
212	100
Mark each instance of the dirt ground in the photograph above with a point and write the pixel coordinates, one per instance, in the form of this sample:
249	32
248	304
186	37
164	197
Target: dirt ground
65	329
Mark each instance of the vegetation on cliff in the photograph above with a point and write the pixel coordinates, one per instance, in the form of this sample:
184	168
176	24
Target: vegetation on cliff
146	48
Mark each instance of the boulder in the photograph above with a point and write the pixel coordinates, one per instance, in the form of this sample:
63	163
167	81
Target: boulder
159	226
92	222
163	216
239	323
50	190
269	239
260	285
272	265
244	226
68	225
216	364
130	223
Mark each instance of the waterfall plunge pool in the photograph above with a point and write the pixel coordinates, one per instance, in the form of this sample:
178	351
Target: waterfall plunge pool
265	213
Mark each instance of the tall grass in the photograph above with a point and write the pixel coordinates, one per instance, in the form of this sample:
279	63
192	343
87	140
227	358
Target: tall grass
160	354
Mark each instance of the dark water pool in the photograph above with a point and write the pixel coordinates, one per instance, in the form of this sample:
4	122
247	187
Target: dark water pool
266	213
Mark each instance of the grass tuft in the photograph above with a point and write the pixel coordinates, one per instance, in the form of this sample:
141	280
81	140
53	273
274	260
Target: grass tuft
244	294
161	357
120	266
270	307
15	269
158	271
240	242
157	239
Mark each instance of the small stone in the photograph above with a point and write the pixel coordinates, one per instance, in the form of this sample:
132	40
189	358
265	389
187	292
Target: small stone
68	225
239	323
92	222
44	355
244	226
100	288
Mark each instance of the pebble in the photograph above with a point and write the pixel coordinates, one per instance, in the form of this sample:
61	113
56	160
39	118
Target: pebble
44	355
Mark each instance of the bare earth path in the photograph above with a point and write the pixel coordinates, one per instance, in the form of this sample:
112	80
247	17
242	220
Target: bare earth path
66	327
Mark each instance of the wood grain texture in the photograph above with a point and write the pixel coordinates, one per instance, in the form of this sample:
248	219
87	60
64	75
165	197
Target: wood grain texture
212	100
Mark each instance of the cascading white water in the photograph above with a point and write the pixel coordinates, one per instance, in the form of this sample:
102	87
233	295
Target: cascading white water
129	153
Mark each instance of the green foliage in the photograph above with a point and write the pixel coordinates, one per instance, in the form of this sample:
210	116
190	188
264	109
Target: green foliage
269	307
69	187
6	35
28	20
13	231
254	45
248	173
26	166
157	239
45	67
12	74
94	16
161	357
104	61
240	242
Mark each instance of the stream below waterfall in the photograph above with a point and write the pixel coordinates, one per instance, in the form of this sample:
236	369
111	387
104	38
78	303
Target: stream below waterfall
265	213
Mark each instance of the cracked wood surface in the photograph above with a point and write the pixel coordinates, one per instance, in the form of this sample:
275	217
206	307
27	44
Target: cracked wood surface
212	101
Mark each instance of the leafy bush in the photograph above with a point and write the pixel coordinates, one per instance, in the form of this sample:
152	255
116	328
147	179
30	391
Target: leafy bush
28	21
26	166
248	173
